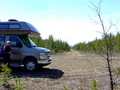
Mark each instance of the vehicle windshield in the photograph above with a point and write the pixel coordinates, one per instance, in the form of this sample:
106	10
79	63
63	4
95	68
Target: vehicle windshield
27	41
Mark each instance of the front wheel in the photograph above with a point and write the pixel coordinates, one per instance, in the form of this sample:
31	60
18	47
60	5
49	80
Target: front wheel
30	64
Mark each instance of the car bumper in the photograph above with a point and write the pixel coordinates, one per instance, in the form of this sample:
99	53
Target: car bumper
44	61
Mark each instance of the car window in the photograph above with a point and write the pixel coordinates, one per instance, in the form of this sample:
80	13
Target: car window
27	41
15	42
9	26
2	40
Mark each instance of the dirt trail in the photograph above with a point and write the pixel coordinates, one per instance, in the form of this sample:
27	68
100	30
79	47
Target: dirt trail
81	68
72	69
76	62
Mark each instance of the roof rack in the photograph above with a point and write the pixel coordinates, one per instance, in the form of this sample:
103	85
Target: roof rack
11	20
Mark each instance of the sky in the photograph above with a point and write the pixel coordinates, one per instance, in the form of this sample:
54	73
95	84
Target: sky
68	20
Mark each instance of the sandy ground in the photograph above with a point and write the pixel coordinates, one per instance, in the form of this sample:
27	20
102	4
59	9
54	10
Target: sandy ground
73	69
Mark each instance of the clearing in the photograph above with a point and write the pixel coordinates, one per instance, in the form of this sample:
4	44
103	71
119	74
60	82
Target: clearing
74	70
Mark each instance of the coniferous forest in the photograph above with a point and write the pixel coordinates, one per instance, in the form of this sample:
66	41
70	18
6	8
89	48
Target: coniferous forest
55	46
97	45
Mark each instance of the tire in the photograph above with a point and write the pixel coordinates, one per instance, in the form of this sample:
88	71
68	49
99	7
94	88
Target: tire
30	64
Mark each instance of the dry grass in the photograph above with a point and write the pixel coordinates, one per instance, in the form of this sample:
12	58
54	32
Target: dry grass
72	69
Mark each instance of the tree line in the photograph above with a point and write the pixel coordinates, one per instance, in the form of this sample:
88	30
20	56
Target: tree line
97	45
55	46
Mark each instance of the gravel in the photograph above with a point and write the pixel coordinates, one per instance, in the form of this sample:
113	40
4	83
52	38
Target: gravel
73	69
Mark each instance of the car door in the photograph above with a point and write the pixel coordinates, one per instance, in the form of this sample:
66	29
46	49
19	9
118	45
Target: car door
16	46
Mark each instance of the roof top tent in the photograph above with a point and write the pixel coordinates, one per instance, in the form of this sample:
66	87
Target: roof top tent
14	27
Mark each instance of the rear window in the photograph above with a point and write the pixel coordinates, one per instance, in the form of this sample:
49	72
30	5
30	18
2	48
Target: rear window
9	26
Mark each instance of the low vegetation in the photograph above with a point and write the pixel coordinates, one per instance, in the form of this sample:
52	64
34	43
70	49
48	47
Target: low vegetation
6	77
94	85
97	45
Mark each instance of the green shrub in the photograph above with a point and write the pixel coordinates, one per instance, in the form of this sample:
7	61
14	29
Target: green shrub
18	85
94	85
5	75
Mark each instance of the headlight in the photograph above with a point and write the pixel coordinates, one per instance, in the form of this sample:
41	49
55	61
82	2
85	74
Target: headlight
43	55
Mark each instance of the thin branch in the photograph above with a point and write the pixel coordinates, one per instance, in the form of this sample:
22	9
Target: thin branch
99	32
93	20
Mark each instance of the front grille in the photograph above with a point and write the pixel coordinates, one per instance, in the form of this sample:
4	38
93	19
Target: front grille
48	54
